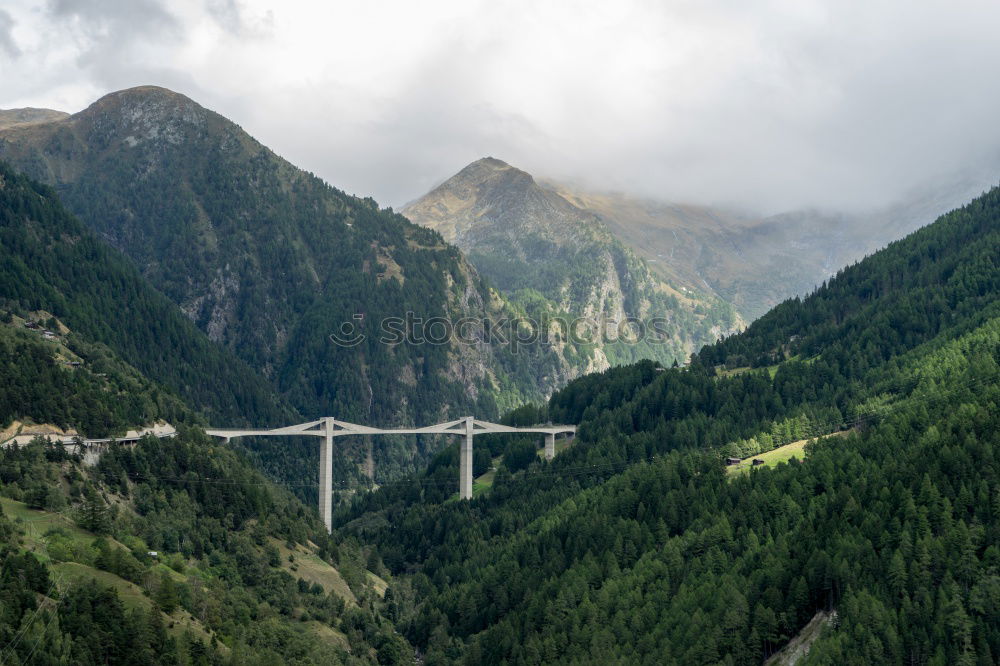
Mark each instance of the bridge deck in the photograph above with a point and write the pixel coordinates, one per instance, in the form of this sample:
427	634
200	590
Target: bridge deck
328	428
342	428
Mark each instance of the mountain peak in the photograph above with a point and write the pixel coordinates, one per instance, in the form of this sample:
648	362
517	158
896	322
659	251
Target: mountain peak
478	199
147	92
489	168
147	115
490	162
143	101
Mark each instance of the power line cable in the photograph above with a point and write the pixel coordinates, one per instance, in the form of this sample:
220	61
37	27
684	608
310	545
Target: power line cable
11	646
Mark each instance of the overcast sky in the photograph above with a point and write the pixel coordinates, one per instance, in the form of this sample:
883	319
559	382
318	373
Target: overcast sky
765	104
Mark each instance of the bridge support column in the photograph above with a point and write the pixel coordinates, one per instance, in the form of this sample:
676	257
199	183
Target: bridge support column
550	446
465	462
326	475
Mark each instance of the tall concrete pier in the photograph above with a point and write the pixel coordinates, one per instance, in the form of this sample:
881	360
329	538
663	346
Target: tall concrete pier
326	473
465	461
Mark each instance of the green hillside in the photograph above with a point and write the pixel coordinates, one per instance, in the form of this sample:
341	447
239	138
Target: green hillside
176	552
634	545
70	383
172	551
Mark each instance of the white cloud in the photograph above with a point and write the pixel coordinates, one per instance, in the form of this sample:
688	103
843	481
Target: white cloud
771	104
7	43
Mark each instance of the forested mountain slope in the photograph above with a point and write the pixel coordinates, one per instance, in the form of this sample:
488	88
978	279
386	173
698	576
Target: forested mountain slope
634	546
555	259
63	381
176	552
50	262
139	358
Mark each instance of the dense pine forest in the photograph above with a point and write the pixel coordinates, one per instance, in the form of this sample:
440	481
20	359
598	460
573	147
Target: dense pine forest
634	545
172	551
50	262
139	359
175	552
71	383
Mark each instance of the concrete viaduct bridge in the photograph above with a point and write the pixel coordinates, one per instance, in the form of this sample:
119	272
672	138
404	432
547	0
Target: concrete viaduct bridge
328	428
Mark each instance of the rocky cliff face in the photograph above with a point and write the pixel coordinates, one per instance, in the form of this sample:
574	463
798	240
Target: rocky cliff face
547	254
